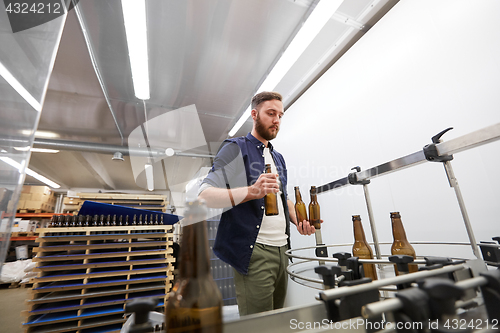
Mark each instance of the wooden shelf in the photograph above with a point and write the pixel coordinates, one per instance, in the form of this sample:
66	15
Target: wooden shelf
87	275
24	238
39	215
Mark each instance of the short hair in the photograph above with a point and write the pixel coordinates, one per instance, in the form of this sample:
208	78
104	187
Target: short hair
265	96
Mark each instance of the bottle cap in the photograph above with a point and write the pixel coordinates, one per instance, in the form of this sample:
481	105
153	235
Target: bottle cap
356	218
395	215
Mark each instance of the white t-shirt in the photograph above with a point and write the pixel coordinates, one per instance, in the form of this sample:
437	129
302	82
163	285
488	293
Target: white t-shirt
273	228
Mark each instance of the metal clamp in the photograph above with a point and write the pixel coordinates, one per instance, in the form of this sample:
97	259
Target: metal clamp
415	308
353	179
321	251
491	252
328	274
349	306
430	151
443	294
491	293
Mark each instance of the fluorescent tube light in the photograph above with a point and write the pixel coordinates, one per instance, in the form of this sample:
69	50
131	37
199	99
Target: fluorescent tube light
149	176
36	150
315	22
44	150
134	16
4	72
41	134
30	172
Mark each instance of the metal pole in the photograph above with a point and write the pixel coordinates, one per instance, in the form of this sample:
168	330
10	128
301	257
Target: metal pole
454	183
59	204
372	222
346	291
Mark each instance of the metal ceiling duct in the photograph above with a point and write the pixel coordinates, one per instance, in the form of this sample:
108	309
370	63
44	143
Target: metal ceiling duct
109	149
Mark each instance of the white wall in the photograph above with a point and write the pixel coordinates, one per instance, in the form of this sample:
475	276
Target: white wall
427	65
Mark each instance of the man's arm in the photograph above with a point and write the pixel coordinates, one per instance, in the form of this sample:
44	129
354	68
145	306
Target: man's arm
221	197
291	211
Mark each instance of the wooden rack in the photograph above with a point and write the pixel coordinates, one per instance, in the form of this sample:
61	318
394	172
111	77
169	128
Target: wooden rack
87	275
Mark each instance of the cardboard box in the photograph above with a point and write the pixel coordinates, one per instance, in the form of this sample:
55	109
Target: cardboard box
42	205
22	252
40	189
26	189
25	196
39	197
71	201
23	226
32	225
15	226
20	204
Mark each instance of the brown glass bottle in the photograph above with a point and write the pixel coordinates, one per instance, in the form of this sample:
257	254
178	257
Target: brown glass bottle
314	212
401	246
195	303
271	199
300	206
361	248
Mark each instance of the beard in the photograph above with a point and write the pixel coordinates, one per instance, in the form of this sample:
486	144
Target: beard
264	132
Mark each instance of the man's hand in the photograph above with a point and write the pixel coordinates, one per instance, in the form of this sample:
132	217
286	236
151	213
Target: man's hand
267	183
305	228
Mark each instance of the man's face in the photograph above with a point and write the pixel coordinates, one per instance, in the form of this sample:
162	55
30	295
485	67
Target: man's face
268	120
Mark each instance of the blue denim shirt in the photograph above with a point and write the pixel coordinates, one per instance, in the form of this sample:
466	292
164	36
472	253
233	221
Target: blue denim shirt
239	163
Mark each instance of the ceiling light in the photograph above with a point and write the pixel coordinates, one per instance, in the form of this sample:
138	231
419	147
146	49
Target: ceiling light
4	72
44	150
30	172
169	152
149	176
134	16
313	25
118	156
36	150
40	134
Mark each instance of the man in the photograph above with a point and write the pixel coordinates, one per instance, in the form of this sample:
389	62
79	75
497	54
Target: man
251	242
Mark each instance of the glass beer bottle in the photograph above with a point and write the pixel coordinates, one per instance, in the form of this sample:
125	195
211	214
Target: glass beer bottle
300	206
361	248
314	212
195	303
271	199
401	246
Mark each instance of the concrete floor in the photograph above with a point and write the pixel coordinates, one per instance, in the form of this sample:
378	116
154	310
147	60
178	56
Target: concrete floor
12	302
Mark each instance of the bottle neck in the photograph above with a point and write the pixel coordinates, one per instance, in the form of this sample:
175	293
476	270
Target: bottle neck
268	168
298	197
314	197
193	256
398	231
359	233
